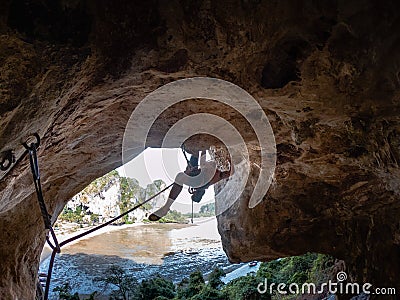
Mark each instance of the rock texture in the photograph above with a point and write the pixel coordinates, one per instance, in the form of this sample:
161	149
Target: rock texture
325	72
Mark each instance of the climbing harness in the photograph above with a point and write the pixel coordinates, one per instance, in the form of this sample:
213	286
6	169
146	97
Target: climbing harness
194	170
56	246
198	192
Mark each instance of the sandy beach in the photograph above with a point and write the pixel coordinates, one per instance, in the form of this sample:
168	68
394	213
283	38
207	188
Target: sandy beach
46	252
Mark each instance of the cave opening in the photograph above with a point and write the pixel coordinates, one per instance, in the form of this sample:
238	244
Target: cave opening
118	191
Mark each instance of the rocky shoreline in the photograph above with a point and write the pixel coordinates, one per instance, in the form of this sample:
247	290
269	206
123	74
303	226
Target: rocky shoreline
144	250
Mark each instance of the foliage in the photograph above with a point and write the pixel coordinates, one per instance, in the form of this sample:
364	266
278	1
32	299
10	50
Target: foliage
127	286
245	288
207	210
322	269
156	288
209	293
70	215
310	267
150	190
214	280
192	287
98	185
173	216
94	218
64	292
131	193
129	188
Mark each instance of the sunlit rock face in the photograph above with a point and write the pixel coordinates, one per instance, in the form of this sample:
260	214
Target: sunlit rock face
325	73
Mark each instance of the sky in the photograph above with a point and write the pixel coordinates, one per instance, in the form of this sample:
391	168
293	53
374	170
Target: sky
164	164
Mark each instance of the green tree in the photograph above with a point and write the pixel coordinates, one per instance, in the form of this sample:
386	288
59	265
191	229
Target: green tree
71	215
214	280
209	293
208	209
155	288
129	189
173	216
271	270
94	218
322	269
127	286
150	190
194	285
310	267
64	292
244	288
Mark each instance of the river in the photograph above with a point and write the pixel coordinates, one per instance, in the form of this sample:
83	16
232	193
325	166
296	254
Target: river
170	250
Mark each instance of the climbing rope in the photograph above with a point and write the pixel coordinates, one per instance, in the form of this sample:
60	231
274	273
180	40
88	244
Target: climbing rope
32	150
56	247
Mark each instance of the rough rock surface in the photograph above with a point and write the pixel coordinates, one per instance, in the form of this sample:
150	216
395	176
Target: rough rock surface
327	74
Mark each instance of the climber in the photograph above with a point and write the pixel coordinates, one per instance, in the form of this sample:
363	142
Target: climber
198	179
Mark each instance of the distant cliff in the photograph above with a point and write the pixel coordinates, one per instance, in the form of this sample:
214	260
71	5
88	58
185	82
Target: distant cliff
109	196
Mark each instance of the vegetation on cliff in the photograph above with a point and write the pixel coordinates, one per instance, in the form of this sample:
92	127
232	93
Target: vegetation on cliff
81	209
126	194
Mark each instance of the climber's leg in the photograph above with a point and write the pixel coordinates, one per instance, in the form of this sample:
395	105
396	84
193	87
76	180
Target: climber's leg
174	193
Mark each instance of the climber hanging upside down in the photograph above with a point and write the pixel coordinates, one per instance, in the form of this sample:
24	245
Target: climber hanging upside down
198	180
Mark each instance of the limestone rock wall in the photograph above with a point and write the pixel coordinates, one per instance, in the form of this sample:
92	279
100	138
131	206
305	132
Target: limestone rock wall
325	73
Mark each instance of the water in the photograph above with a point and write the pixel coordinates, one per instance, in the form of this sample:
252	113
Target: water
241	271
171	250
